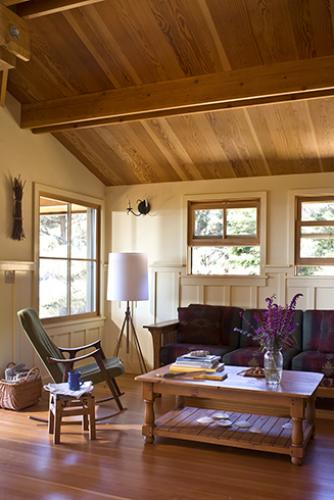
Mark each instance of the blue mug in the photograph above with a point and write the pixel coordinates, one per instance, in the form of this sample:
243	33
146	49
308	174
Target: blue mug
74	382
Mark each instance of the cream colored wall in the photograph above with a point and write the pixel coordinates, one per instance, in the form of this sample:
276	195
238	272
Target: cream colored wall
161	234
38	159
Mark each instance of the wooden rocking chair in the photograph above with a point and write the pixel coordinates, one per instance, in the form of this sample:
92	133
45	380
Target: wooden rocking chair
58	366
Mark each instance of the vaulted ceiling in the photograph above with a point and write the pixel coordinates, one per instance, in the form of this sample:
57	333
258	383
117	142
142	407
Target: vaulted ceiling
169	90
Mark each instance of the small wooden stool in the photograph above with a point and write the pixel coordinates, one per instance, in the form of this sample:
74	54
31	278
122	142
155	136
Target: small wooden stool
61	406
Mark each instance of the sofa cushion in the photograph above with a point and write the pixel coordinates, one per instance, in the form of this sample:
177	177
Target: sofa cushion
315	361
249	323
170	352
199	325
230	319
245	356
210	324
251	319
252	356
318	331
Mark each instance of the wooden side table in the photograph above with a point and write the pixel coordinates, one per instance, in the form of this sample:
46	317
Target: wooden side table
61	406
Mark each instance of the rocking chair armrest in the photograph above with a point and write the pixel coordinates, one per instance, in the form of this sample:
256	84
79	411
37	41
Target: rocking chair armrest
96	344
96	354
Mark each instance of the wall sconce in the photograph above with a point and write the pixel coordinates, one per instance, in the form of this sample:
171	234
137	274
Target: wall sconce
143	208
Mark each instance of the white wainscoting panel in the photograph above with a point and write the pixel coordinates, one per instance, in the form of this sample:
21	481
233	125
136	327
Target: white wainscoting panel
176	288
14	344
324	298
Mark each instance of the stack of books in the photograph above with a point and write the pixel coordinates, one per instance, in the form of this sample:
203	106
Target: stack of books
192	362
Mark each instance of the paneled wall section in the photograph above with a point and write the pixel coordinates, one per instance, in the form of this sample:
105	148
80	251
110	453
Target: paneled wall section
172	287
16	296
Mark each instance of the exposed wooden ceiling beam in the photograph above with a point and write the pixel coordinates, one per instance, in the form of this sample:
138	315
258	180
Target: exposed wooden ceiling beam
3	86
7	3
188	95
7	60
14	34
39	8
203	109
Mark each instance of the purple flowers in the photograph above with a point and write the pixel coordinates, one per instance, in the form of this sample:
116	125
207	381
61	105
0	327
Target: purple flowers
275	325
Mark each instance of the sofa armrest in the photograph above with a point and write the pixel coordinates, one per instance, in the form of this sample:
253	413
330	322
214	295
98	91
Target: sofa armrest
162	334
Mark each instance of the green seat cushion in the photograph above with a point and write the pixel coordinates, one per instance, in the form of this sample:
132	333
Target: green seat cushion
92	372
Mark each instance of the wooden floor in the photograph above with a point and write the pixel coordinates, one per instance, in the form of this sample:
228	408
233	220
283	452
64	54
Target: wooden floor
119	466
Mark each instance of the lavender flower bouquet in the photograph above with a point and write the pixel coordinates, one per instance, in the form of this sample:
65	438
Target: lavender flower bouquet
275	326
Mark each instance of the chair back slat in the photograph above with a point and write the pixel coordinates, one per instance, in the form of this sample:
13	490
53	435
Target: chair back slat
41	342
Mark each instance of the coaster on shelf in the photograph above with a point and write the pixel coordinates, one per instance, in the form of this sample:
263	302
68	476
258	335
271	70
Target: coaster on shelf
255	430
204	420
221	415
243	424
224	423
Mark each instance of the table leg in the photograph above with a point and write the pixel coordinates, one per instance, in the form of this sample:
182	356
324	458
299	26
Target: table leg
297	437
51	415
180	401
148	427
85	422
58	416
310	413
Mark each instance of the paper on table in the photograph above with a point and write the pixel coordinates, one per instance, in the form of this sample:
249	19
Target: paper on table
63	389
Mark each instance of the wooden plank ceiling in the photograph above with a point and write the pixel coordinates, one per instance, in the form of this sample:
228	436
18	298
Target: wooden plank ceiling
115	44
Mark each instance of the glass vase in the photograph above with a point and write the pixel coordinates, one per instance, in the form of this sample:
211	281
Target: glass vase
273	366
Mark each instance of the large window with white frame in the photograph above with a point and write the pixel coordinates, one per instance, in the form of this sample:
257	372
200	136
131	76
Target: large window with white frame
224	237
69	234
314	235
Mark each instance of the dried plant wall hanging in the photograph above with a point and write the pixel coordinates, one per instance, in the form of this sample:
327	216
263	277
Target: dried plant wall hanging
17	187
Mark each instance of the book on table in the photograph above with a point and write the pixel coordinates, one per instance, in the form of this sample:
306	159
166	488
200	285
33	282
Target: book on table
190	369
216	373
189	363
210	361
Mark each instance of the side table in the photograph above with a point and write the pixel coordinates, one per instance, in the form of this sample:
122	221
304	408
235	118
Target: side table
64	406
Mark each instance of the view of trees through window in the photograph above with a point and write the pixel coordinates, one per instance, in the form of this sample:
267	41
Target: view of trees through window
67	258
225	238
315	237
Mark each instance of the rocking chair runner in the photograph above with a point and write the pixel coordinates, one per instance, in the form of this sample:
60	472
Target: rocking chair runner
104	369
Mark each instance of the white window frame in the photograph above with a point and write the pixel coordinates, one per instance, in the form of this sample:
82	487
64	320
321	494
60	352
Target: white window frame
240	196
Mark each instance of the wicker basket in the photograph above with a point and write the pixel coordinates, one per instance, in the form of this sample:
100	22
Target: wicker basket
23	393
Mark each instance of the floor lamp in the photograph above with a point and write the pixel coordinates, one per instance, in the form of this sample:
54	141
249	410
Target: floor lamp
128	281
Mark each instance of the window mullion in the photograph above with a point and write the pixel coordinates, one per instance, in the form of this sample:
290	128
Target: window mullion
224	223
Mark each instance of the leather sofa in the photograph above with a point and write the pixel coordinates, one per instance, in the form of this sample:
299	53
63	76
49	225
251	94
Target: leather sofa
211	328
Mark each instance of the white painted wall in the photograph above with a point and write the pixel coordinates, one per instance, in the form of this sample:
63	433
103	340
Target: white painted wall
38	159
162	235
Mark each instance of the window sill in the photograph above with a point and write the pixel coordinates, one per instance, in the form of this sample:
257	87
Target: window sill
259	280
59	323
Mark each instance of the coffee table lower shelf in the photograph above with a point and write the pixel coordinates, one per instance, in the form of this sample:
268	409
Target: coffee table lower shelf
270	436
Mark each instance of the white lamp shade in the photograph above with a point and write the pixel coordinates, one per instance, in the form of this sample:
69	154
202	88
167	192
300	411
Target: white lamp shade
127	276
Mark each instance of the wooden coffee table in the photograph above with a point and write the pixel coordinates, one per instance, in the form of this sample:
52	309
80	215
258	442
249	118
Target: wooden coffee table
296	395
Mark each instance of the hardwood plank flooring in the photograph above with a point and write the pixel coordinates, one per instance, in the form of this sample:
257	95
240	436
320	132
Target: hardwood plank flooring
119	466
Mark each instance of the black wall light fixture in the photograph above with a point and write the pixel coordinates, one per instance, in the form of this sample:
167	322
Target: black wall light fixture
143	208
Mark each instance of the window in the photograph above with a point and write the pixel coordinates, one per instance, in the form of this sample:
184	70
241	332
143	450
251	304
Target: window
68	258
314	236
223	237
